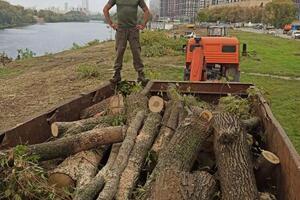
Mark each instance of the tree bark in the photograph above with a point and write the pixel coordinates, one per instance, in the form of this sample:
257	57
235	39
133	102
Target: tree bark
233	159
116	105
178	185
60	129
138	156
167	131
156	104
91	190
77	170
133	104
120	164
67	146
181	152
95	109
264	167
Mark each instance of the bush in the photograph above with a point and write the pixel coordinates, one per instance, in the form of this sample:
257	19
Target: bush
157	43
21	177
236	105
75	46
88	71
25	54
94	42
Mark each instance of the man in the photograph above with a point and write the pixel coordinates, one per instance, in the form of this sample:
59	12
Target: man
127	29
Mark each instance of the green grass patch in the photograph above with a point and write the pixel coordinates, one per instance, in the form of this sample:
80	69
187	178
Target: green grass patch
270	54
6	72
88	71
284	98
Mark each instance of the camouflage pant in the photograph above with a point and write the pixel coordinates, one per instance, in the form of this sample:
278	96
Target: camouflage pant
133	36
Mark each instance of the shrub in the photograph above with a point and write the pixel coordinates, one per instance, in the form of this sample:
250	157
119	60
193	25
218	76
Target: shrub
158	43
88	71
25	54
94	42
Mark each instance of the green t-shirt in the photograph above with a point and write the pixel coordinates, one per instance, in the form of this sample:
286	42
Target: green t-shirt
127	11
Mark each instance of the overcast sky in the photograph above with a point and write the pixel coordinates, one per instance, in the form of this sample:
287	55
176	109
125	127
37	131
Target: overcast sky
95	5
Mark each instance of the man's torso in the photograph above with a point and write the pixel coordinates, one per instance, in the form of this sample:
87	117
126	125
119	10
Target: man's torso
127	11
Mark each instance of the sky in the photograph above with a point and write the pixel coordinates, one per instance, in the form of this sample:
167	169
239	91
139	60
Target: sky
95	5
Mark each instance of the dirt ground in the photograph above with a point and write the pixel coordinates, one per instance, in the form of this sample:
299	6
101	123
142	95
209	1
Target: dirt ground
39	84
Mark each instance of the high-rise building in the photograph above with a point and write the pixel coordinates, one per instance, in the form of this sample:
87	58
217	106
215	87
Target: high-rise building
155	7
182	9
85	5
298	6
66	7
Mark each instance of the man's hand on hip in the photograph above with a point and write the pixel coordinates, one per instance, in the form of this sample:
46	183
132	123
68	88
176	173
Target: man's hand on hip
114	26
140	27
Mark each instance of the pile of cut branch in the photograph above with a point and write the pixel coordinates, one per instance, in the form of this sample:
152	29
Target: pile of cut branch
140	146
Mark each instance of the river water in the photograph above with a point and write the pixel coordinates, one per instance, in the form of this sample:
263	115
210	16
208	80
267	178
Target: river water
52	37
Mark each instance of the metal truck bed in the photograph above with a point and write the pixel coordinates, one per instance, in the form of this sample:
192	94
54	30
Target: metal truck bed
37	129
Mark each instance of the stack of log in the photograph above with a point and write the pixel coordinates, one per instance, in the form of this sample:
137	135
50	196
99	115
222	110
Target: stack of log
166	150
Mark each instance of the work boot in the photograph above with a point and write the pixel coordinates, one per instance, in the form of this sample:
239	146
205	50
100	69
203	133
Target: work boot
116	78
142	79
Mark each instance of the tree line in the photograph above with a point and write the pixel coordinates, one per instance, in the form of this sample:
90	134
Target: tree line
276	13
12	16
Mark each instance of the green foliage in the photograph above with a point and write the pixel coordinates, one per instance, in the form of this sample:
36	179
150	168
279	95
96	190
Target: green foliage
126	88
235	105
280	12
93	43
276	13
25	54
158	43
75	46
4	59
22	178
11	16
72	16
88	71
231	14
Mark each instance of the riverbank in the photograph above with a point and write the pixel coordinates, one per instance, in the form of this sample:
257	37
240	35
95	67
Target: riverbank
32	86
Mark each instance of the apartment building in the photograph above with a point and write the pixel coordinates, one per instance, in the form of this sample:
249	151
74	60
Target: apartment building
182	9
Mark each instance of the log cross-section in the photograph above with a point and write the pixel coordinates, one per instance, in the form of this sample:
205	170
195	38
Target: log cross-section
234	163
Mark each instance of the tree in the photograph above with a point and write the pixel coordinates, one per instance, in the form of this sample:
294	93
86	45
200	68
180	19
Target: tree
280	12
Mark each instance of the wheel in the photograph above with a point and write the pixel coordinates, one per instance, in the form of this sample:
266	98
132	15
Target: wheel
232	74
186	76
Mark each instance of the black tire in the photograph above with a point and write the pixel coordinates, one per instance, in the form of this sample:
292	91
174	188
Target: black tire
232	74
186	76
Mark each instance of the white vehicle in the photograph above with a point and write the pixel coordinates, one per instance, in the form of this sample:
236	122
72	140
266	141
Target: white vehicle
189	34
296	34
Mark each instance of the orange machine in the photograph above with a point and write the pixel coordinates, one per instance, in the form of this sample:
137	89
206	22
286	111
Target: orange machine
211	58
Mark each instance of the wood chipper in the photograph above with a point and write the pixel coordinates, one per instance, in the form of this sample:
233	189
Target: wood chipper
212	58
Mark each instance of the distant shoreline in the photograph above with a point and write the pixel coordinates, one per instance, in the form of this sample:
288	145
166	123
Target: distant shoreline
30	24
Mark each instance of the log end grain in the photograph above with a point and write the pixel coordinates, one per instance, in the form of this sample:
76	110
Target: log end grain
271	157
54	130
156	104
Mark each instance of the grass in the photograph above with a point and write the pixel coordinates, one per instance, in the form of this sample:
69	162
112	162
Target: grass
270	54
284	98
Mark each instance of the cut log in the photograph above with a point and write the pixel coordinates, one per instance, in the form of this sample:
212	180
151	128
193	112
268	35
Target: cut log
264	167
91	190
95	109
60	129
233	157
116	105
181	152
167	131
147	88
156	104
111	186
251	123
65	147
177	185
138	156
77	170
266	196
133	104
